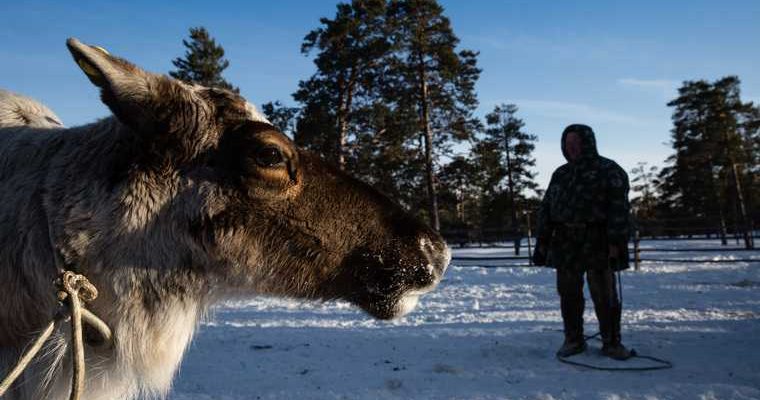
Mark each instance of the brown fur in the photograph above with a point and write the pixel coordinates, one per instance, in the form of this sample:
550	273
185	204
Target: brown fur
179	200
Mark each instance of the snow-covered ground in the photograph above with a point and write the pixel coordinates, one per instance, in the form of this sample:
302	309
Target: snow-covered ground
491	333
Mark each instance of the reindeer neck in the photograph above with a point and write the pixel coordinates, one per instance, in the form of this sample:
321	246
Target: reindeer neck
117	225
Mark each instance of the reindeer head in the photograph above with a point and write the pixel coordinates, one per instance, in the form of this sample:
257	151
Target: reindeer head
256	213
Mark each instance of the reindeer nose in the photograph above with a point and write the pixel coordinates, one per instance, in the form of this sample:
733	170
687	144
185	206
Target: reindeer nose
437	253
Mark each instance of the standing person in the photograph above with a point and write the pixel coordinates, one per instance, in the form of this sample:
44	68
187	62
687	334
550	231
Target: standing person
583	227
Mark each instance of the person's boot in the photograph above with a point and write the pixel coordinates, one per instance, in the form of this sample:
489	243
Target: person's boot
617	351
612	346
572	319
571	347
608	311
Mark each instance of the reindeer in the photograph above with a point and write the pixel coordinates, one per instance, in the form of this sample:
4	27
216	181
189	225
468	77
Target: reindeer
184	197
18	110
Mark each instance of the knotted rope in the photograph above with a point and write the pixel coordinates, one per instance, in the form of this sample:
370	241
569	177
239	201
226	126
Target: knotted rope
72	290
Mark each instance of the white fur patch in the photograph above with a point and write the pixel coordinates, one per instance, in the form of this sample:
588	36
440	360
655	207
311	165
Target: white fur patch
448	256
254	113
425	243
18	110
406	304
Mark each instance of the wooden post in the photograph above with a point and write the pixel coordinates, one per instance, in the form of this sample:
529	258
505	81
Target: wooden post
636	250
530	238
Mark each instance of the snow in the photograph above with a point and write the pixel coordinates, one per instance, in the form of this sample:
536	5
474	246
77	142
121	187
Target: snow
491	333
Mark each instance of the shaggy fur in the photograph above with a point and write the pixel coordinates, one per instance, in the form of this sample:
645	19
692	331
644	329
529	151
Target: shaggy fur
182	198
18	110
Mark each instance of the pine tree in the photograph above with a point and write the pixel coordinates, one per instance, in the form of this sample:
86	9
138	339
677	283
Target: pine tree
644	184
704	177
460	197
382	156
281	116
749	130
203	62
362	107
504	133
349	50
431	82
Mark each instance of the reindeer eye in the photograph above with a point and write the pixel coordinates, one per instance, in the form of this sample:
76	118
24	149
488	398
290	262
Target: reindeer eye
269	157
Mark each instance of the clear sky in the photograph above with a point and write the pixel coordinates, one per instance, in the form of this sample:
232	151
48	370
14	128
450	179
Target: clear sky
610	64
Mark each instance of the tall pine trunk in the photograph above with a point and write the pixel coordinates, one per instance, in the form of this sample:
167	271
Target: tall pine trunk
344	108
717	203
746	226
513	204
427	133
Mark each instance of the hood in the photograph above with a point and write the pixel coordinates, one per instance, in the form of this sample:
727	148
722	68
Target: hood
588	141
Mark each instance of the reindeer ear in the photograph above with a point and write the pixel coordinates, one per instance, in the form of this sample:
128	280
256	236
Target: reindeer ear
125	88
162	112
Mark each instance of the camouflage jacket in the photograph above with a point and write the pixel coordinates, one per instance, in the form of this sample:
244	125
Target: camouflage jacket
585	209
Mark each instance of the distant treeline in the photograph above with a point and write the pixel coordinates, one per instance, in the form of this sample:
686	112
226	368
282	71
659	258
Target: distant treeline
392	101
709	184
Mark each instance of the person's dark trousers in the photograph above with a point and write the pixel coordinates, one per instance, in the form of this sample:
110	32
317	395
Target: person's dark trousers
606	303
570	288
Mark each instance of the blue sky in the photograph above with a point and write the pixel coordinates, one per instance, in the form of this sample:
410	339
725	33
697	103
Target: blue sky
610	64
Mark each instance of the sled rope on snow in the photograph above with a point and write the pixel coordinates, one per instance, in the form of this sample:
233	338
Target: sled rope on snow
661	364
72	290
